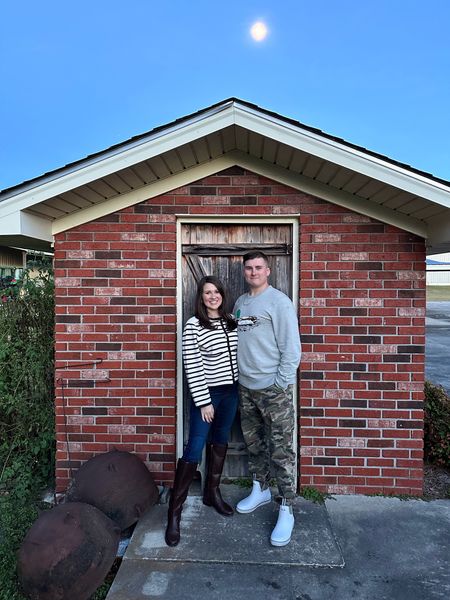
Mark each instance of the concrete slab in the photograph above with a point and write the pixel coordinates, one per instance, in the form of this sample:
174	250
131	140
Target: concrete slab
242	539
392	549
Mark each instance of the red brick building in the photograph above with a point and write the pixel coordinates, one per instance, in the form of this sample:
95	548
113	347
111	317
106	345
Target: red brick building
347	231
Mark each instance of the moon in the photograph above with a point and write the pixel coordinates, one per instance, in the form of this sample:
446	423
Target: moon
258	31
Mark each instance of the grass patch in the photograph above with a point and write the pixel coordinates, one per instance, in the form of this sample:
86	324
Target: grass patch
243	482
307	492
438	293
314	495
403	497
101	592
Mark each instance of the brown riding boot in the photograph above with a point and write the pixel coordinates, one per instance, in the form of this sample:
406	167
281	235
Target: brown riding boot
215	457
183	478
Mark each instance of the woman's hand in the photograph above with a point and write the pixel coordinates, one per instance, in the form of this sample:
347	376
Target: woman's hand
207	413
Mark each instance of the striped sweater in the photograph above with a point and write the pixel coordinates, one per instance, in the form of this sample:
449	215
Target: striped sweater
210	358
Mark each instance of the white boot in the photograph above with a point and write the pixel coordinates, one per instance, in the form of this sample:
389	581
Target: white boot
257	498
281	535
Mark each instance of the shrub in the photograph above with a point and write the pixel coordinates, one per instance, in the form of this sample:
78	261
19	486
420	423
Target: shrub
27	437
437	425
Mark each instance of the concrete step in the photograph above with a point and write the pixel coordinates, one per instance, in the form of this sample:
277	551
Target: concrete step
208	540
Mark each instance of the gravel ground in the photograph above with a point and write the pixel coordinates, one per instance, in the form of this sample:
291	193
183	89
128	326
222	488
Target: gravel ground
436	482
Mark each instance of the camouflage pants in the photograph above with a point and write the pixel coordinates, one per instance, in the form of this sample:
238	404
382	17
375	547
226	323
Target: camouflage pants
267	419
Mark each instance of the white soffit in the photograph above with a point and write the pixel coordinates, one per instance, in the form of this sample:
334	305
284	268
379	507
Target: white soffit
259	166
339	197
143	193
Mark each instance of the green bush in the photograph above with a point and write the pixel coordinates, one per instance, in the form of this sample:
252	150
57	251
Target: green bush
437	425
27	435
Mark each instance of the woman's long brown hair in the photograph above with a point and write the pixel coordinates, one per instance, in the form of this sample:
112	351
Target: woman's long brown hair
200	309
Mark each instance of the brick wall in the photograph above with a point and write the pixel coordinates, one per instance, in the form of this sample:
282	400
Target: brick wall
362	305
362	302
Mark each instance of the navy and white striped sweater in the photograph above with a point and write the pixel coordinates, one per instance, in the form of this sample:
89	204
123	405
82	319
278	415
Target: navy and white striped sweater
210	358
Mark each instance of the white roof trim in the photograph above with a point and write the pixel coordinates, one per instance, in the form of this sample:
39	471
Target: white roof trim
16	206
214	120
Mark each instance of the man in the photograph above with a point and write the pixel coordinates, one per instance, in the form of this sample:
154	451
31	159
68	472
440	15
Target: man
268	358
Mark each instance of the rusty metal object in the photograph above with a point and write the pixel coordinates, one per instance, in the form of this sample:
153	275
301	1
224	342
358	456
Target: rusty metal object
67	553
118	483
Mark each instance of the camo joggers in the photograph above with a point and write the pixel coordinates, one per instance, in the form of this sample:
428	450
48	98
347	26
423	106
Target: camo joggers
267	419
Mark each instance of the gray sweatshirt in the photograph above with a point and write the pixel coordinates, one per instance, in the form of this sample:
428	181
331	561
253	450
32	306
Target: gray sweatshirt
269	347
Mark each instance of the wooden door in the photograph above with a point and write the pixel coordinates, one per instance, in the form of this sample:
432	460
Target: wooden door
217	249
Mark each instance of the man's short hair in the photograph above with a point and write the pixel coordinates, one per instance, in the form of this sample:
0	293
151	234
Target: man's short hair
255	254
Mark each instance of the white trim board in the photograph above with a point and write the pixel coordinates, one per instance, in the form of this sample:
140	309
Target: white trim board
237	219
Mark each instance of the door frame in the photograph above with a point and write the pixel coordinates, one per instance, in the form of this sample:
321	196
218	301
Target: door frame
237	220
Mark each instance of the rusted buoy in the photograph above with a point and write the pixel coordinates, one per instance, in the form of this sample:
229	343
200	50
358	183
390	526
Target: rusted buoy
118	483
67	553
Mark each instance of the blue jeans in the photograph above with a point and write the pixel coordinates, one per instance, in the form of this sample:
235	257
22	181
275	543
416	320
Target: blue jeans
225	401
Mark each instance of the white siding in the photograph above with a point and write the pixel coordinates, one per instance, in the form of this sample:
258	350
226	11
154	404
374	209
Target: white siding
440	257
438	277
439	274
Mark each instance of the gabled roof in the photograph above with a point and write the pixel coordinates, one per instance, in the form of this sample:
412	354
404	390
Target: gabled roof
232	132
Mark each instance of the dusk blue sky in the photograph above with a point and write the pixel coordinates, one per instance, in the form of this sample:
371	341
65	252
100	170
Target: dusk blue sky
79	76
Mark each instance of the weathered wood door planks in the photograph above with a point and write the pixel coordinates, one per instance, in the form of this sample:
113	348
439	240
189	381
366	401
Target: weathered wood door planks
217	249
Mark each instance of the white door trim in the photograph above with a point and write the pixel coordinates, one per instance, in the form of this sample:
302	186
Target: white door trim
238	219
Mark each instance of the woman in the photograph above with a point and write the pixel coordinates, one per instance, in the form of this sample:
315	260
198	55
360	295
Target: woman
209	355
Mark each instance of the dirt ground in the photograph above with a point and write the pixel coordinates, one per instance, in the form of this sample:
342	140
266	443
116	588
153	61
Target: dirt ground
436	482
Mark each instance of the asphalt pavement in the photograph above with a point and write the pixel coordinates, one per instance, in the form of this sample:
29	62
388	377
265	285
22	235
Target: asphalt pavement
437	350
